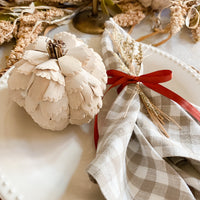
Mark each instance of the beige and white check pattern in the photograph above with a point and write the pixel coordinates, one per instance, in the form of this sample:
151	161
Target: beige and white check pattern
133	160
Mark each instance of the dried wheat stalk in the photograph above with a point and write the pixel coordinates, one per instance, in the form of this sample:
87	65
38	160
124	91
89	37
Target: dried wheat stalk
127	51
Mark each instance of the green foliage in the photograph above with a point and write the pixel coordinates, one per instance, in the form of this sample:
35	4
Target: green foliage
109	7
6	17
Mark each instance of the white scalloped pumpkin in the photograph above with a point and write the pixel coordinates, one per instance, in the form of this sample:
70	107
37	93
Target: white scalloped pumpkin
65	89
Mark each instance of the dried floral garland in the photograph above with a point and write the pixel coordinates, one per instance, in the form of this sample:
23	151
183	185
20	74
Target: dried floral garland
30	26
183	13
25	23
132	14
23	2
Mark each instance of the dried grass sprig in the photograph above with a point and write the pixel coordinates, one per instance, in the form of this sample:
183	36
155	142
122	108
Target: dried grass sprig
157	116
135	55
125	48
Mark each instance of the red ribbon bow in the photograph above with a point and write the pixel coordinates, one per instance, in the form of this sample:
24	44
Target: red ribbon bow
150	80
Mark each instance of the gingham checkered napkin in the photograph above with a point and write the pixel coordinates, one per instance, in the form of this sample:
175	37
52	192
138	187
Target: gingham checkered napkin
133	160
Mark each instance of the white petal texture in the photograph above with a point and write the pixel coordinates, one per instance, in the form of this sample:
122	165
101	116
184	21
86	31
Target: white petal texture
51	75
26	68
69	65
69	39
18	80
50	64
80	91
35	93
92	62
96	68
35	57
56	92
86	53
39	45
18	97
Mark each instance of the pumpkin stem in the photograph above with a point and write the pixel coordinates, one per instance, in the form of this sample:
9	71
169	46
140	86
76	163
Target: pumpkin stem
55	48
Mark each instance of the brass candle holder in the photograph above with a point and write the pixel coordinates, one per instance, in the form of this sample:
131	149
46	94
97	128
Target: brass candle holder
90	21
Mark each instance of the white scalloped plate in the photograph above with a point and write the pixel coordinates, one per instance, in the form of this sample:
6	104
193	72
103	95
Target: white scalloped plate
44	165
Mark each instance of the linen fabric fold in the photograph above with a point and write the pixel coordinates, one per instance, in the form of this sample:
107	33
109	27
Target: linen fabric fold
133	159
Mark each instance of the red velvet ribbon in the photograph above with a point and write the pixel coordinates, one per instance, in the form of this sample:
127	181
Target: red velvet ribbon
150	80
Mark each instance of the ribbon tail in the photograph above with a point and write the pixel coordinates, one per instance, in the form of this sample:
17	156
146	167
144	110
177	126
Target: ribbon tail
96	131
175	97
